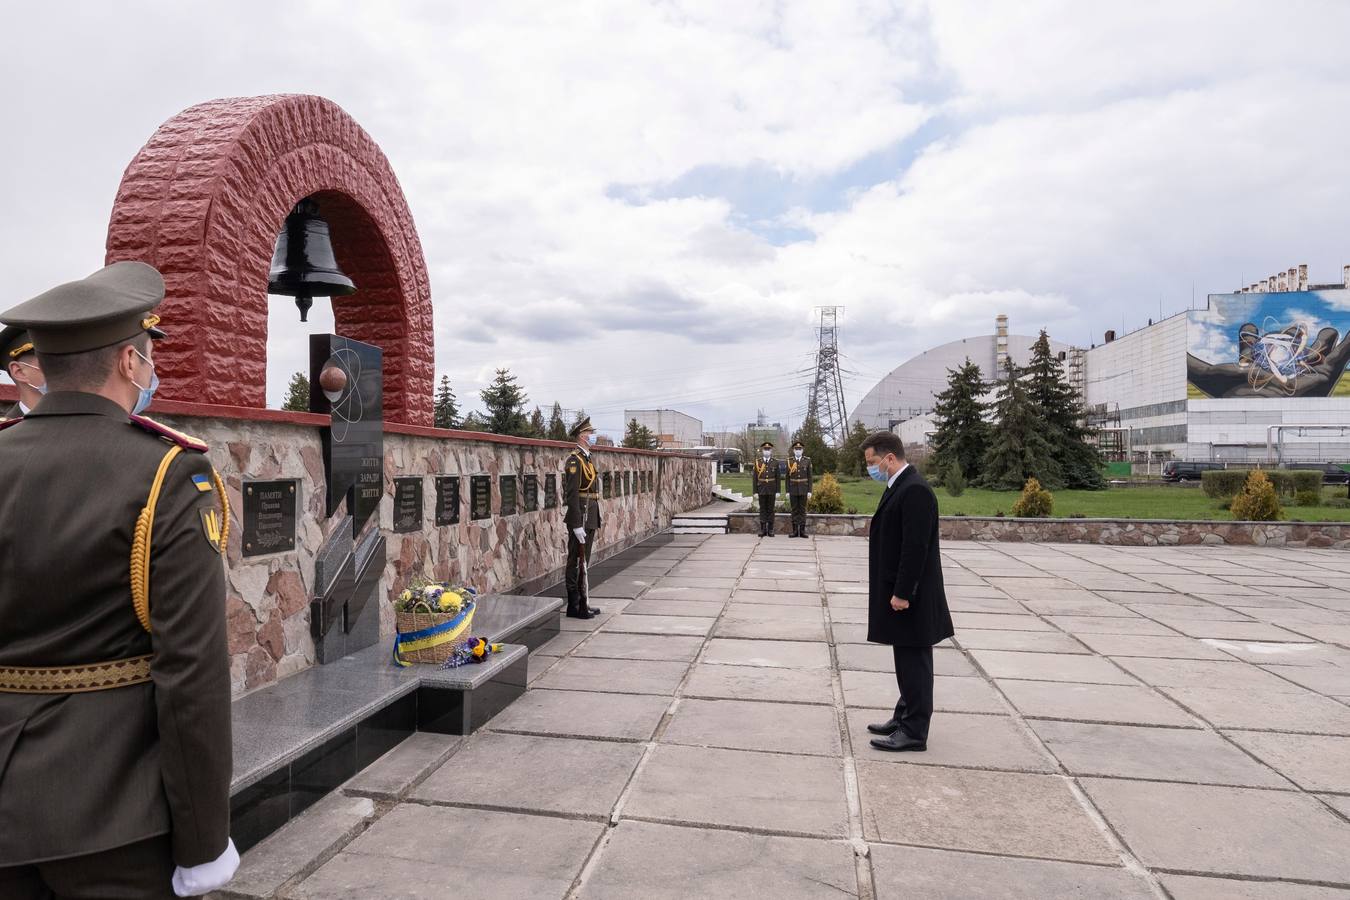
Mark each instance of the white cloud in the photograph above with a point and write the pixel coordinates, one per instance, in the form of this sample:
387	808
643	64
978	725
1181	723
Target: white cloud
1068	164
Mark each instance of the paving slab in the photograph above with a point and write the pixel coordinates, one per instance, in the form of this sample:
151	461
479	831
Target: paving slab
1159	754
1083	607
1020	622
953	875
526	773
788	587
951	693
609	608
1031	641
641	646
1258	708
620	676
1050	667
1011	813
1184	672
391	776
621	717
648	606
536	666
560	644
420	851
1225	830
755	725
959	739
769	683
881	658
1195	887
1333	681
1167	647
1111	703
783	654
847	632
1240	631
621	587
678	625
788	623
301	845
639	861
1309	655
1313	762
757	597
774	792
1108	625
701	584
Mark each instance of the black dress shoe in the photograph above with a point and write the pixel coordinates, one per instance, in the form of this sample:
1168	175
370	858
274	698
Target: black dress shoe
890	726
899	743
582	612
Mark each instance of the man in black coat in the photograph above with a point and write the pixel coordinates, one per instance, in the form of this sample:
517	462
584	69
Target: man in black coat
906	604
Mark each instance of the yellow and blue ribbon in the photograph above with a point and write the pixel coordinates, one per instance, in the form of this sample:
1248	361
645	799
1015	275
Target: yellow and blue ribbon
409	641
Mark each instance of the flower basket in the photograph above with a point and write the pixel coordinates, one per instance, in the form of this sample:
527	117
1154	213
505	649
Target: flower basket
432	621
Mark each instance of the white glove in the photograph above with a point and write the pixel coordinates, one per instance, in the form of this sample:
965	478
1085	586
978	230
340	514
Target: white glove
581	535
808	495
197	880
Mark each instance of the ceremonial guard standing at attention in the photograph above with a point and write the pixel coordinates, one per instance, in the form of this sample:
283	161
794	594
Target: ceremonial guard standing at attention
115	751
19	360
798	487
764	476
581	494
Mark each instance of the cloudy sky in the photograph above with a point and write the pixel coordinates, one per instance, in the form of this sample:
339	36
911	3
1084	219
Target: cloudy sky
641	204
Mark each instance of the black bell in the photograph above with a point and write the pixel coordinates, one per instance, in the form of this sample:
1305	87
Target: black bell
303	265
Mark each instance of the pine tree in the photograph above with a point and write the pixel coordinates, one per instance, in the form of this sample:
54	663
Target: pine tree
962	435
1080	464
851	454
639	437
297	394
505	402
1018	448
557	428
474	421
536	425
824	458
446	409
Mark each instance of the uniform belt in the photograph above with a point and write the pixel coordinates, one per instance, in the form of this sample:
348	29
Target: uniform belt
589	495
75	679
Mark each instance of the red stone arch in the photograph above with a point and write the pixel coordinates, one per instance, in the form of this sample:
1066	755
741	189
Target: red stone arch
203	201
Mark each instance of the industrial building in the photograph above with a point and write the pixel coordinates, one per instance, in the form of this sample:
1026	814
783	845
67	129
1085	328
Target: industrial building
674	430
1255	376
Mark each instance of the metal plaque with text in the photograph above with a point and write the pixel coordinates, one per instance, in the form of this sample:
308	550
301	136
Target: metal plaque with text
447	500
269	516
407	504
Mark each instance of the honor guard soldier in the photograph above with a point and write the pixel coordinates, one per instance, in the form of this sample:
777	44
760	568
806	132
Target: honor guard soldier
799	487
20	362
581	491
765	480
115	751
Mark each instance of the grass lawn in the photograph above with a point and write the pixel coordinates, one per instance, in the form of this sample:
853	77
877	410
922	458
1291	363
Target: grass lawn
1153	502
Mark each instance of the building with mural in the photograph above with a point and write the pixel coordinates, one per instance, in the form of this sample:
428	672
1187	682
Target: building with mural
1257	375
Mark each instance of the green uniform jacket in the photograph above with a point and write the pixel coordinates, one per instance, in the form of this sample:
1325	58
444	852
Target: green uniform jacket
86	772
765	476
799	481
581	491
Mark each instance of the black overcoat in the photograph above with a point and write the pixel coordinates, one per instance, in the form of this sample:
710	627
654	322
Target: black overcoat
903	561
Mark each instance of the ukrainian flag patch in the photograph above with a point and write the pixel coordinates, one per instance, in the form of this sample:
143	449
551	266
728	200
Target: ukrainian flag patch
203	483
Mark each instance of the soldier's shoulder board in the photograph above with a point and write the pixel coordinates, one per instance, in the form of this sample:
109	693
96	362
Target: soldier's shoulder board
186	441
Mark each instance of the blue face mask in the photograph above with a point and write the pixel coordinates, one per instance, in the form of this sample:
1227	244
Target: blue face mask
591	439
147	393
876	473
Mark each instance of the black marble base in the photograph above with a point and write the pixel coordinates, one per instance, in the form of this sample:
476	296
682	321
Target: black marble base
463	712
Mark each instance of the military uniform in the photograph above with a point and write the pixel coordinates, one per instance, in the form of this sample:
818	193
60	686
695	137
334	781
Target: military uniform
115	749
581	496
765	479
799	484
14	345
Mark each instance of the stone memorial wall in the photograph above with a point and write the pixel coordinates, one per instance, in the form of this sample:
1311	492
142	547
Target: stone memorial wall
269	593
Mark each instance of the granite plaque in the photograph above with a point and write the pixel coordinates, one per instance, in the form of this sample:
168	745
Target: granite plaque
607	485
407	504
550	491
530	493
353	443
447	500
508	489
269	516
480	497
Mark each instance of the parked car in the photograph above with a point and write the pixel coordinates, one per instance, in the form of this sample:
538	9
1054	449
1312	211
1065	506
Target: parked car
1187	470
1332	473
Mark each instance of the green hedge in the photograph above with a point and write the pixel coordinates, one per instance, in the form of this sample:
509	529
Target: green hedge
1224	483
